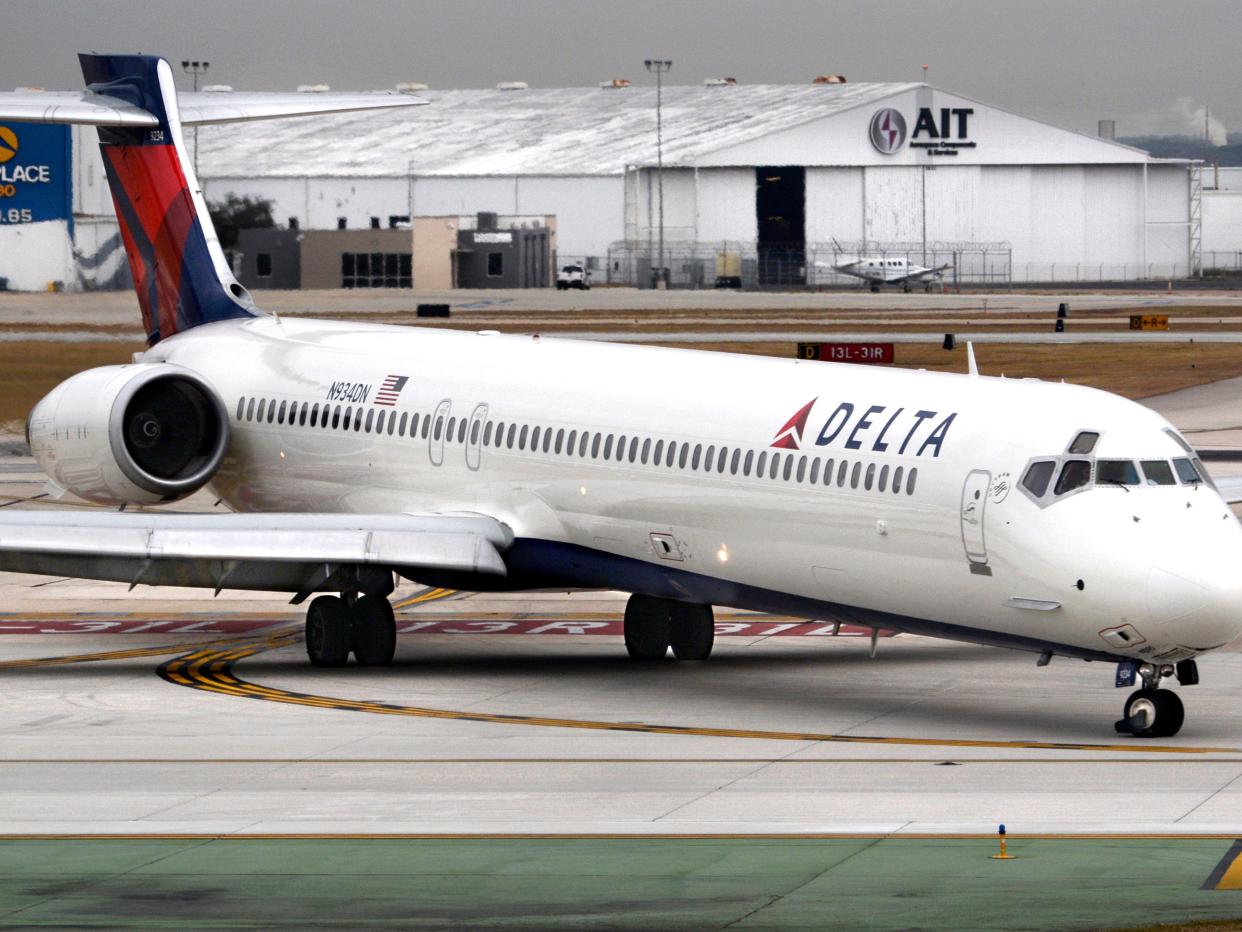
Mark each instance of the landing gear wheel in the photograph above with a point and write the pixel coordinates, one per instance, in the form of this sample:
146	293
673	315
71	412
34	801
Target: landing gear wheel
327	632
906	287
646	628
1153	713
692	631
875	289
373	633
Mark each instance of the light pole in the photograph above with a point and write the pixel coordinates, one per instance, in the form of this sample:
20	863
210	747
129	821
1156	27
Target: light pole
659	66
195	68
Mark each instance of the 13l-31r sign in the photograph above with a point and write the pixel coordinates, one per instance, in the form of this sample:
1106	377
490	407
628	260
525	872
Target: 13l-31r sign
847	352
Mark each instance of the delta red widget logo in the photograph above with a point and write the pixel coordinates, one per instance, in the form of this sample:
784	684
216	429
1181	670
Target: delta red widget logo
789	437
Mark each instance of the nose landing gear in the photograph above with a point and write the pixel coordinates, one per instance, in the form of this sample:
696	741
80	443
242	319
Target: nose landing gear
1152	712
364	625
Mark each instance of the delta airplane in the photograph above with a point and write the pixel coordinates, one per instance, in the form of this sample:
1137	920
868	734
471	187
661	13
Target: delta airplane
1046	517
881	270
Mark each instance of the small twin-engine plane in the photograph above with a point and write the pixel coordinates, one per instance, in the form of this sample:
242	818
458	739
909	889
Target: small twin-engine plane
887	270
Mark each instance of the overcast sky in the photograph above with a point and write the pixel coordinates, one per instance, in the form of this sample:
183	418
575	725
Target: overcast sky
1150	64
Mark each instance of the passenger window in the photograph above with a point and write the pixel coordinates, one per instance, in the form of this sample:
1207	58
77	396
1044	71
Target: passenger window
1084	443
1158	472
1074	475
250	410
842	472
621	448
348	419
870	480
883	484
584	440
1186	471
380	418
572	442
737	458
305	413
854	474
897	479
746	463
685	455
314	415
262	409
910	480
789	464
633	449
280	417
370	418
801	469
560	440
547	440
487	434
336	417
427	427
709	458
452	429
595	446
522	436
828	467
461	431
439	431
1116	472
474	432
762	461
358	419
608	447
534	439
658	455
1037	477
646	451
697	456
775	465
814	477
241	407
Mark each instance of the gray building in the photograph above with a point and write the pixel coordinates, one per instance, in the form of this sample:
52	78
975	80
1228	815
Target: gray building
517	257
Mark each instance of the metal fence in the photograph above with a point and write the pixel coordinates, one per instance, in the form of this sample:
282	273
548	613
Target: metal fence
733	264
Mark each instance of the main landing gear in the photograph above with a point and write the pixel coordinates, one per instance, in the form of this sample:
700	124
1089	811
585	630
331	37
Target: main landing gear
1152	712
362	624
654	625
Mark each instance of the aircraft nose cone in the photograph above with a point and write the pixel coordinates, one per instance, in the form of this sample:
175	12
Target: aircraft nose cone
1199	606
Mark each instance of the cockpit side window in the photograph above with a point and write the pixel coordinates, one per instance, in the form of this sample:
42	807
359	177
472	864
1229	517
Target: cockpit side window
1158	472
1074	475
1037	477
1186	471
1084	443
1116	472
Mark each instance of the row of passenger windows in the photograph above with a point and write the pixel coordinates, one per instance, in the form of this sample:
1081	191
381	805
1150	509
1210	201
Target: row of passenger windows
608	447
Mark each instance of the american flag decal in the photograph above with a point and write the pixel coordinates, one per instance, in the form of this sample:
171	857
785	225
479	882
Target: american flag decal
391	390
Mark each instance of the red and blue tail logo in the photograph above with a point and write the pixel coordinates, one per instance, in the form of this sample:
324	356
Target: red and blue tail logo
180	273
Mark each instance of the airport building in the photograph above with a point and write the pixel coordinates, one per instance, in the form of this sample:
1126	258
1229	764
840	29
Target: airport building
771	185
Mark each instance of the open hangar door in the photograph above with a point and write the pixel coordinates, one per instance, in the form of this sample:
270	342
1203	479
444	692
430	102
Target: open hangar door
780	212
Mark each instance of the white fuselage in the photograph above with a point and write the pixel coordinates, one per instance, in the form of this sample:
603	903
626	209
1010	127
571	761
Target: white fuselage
960	548
879	269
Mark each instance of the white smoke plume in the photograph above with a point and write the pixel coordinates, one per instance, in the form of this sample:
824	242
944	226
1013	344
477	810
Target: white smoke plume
1181	117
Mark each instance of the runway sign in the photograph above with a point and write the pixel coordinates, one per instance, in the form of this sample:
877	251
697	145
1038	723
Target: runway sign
871	353
1149	321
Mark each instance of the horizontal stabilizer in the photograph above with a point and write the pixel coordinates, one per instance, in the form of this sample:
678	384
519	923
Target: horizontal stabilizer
201	109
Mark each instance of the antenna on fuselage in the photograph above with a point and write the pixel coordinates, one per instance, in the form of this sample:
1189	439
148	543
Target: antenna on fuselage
972	367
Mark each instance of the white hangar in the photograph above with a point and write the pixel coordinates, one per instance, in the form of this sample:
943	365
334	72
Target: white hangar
790	176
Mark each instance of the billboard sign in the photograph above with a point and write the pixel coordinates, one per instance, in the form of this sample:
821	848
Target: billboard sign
34	173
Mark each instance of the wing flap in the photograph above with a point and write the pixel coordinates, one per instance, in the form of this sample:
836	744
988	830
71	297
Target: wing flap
271	548
1230	488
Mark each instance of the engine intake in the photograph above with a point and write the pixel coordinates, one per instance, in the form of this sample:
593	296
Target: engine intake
144	433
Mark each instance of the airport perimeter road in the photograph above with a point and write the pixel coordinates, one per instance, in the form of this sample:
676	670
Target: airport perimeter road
120	308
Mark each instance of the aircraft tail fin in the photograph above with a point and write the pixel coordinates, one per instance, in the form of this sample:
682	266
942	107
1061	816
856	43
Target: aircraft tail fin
180	272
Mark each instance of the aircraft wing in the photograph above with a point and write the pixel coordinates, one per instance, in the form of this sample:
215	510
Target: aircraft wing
1230	488
90	109
280	552
915	276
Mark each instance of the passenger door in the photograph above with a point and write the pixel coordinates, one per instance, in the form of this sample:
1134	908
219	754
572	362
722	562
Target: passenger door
974	502
474	437
439	424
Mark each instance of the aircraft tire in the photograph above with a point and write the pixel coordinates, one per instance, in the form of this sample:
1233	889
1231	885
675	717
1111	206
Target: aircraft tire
647	625
1154	713
373	632
327	632
692	631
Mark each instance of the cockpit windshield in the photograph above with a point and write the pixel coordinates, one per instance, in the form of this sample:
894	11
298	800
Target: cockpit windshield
1077	469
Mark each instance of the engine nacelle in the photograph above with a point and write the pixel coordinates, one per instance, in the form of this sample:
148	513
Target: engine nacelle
138	434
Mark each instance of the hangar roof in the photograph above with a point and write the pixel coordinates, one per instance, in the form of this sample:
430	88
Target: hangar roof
564	131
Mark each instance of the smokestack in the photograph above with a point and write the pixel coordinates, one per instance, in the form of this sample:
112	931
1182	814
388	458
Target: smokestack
1108	129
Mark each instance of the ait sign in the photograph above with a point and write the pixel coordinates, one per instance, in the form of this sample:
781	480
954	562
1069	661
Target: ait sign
34	173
